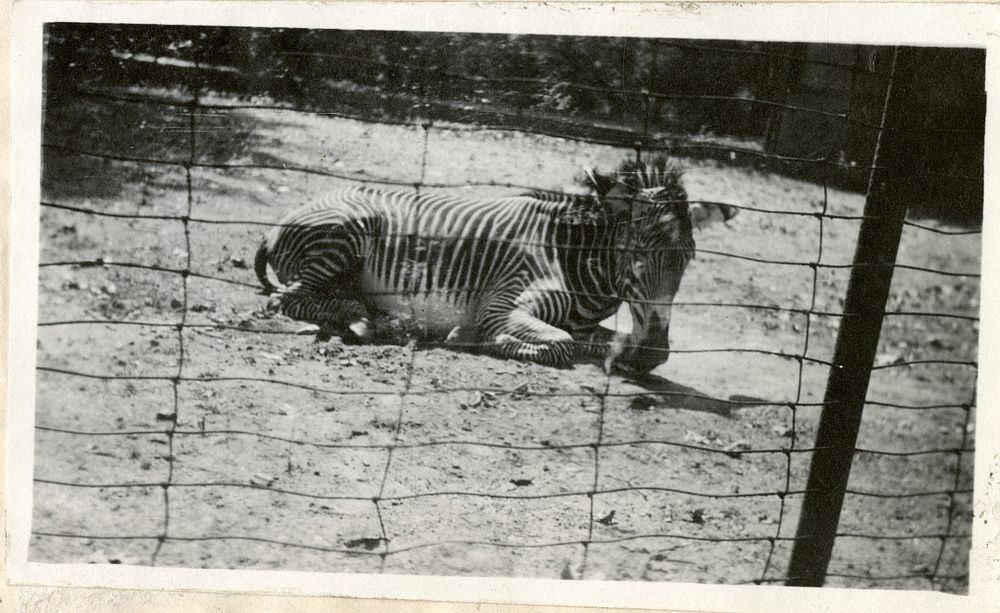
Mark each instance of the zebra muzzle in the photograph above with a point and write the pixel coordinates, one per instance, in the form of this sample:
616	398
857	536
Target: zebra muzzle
638	354
644	359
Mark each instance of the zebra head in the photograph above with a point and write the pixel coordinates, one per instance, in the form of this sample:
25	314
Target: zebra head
650	207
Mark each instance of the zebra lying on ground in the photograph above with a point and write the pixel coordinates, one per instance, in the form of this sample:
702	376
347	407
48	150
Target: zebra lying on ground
520	277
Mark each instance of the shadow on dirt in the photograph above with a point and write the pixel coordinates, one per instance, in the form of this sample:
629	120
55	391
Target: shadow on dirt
664	393
148	146
651	390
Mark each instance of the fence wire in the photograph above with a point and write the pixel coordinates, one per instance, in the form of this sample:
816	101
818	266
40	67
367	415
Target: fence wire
643	142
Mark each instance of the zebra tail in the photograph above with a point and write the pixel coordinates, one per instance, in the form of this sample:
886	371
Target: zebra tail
260	267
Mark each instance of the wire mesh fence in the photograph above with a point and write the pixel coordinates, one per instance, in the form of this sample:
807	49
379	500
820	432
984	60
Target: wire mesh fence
224	438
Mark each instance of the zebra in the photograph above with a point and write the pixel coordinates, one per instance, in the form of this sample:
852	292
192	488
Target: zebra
524	277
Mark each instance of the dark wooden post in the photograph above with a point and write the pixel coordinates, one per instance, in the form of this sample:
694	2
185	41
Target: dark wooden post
854	355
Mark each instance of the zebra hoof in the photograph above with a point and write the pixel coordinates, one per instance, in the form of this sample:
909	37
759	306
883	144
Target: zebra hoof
461	335
360	329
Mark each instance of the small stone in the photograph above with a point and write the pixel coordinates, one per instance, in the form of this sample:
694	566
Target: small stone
642	403
733	449
782	430
693	437
262	479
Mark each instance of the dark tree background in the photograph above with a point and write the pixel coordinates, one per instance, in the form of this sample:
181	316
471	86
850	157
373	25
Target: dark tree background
733	92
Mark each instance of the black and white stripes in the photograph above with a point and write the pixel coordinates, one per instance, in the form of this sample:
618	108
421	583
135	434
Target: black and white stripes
513	275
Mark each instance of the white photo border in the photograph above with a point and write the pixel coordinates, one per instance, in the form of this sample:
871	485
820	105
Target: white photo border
957	25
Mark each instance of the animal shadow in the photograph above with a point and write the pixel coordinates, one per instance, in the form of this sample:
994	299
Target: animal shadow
664	393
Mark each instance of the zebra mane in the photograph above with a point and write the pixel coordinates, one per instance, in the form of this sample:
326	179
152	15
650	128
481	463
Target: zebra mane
602	194
632	175
576	208
554	195
660	172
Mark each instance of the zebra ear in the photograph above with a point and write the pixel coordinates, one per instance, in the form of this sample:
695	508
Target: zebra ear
609	190
600	184
619	198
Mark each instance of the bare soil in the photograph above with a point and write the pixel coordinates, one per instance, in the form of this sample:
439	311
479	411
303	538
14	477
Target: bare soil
404	459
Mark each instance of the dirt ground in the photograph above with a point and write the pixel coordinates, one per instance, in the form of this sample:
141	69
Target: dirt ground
284	453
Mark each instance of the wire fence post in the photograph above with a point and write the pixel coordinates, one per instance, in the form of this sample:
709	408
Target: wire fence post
857	342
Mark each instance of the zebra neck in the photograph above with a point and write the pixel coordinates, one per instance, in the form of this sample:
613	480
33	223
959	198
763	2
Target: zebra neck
587	243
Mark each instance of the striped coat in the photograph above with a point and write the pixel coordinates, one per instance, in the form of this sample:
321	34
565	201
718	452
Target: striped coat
521	277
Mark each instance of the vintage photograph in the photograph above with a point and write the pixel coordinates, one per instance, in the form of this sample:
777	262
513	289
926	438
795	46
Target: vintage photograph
497	305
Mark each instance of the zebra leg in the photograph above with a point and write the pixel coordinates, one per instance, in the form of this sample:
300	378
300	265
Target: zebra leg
526	337
593	343
344	317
